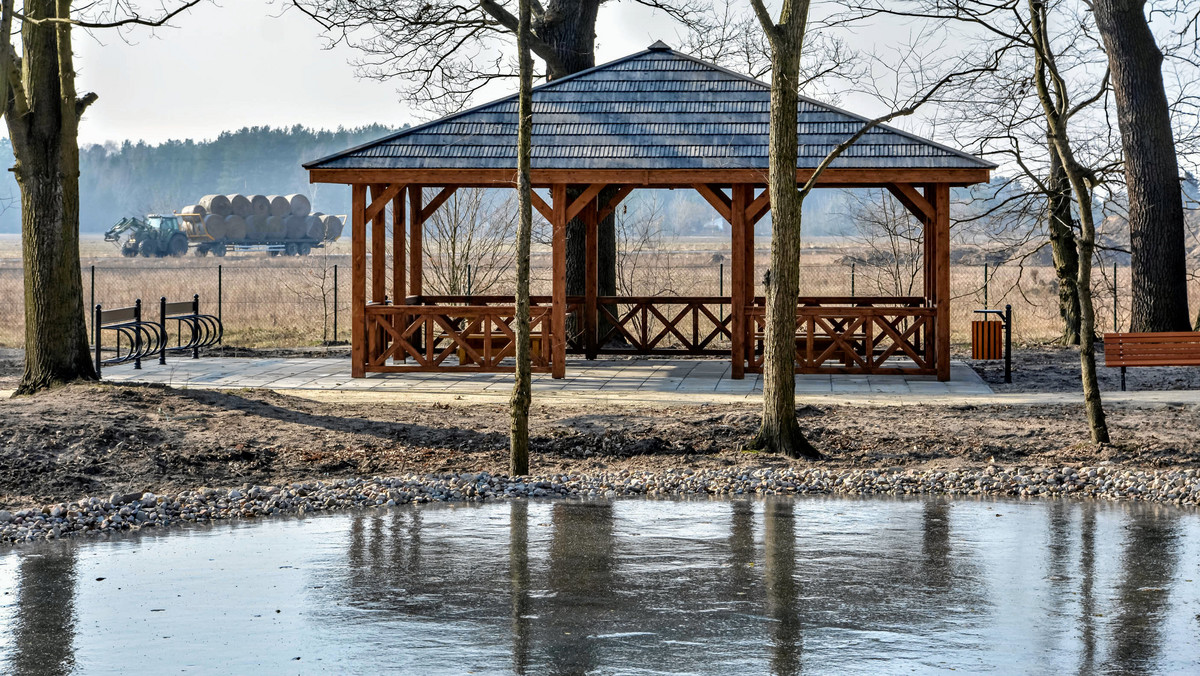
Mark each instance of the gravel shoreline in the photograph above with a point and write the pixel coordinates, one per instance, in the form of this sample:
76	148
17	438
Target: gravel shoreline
96	516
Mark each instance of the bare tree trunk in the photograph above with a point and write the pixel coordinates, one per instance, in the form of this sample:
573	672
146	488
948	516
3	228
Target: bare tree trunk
780	431
1156	229
1056	107
43	120
1063	247
523	385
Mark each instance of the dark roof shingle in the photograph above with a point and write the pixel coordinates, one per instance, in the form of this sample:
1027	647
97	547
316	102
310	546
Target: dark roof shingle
656	109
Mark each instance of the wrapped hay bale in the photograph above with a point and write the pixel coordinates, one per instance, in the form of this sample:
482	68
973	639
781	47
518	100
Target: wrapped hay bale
215	204
274	226
256	226
300	206
260	206
214	226
239	205
333	228
295	227
235	227
280	206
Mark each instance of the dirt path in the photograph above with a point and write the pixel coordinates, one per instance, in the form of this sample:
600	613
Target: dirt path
100	439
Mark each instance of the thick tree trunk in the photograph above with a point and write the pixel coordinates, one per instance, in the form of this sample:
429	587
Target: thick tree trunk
522	385
1156	228
44	132
780	431
569	28
1063	247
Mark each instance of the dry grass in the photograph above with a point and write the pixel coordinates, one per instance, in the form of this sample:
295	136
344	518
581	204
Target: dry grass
288	302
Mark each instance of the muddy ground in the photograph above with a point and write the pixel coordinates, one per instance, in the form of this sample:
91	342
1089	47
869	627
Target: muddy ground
99	439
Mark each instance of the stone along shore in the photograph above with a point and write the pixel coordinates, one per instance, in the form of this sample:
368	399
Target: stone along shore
92	516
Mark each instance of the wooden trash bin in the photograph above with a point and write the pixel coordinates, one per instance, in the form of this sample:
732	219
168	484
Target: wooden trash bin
987	340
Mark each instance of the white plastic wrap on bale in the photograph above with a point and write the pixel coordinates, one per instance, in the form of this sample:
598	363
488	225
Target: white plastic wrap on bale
217	205
235	227
260	206
300	206
239	205
280	206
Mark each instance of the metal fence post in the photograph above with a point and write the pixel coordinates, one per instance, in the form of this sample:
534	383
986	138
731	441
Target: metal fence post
1007	343
335	303
853	269
469	280
1115	297
220	298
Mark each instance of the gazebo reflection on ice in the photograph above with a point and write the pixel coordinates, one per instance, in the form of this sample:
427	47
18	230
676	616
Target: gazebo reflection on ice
655	119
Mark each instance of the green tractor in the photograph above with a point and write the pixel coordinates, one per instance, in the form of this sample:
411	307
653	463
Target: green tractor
157	236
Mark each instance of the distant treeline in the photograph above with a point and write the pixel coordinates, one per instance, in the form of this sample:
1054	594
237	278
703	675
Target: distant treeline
136	178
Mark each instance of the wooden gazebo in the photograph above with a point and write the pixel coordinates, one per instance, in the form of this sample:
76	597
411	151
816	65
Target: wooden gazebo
655	119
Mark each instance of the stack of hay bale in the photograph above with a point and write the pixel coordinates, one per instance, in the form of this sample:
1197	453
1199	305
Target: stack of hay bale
258	218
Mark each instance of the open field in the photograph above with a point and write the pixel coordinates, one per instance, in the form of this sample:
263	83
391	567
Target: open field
292	302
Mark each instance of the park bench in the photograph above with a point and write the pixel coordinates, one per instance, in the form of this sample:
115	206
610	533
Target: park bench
1181	348
136	338
202	330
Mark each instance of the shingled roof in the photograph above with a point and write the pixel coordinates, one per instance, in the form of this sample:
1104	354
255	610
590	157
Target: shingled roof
653	110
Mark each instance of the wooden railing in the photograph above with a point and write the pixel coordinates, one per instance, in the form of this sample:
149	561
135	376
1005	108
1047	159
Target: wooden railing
876	335
690	325
451	337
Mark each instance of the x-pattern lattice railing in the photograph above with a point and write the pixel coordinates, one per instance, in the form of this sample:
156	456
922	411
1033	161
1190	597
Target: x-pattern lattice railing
448	338
854	339
664	325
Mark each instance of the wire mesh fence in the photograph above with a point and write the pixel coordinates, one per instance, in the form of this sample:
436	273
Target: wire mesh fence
288	303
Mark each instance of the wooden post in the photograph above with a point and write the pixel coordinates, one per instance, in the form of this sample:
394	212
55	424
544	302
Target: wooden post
416	230
747	195
558	364
591	318
358	281
942	281
737	301
399	287
378	250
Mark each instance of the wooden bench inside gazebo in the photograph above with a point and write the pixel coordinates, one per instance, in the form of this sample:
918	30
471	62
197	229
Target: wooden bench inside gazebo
657	119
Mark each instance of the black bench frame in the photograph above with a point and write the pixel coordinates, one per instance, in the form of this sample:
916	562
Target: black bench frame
203	330
143	338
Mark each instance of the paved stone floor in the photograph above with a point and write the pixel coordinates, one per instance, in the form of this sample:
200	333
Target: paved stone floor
658	380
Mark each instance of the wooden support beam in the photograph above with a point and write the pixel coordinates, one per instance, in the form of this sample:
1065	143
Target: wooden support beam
585	198
714	196
738	293
399	287
378	249
416	226
913	200
607	209
758	207
540	204
591	282
358	281
558	339
379	202
942	283
437	201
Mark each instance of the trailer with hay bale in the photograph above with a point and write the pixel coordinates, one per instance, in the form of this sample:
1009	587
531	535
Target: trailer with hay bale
275	224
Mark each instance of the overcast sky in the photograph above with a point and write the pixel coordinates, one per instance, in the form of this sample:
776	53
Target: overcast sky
248	63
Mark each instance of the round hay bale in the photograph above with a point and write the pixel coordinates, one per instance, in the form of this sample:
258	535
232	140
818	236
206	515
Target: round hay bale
214	226
235	227
240	205
275	226
280	206
260	206
316	227
300	206
193	213
256	226
333	228
215	204
295	227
